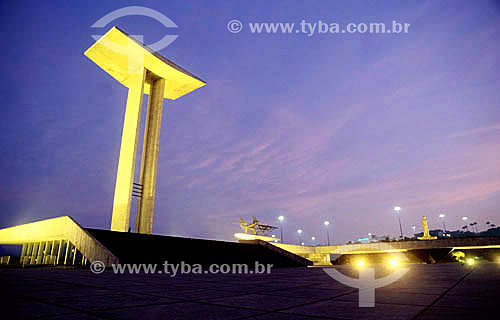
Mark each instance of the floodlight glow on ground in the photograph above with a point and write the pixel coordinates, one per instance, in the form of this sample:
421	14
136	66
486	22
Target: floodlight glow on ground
470	261
393	263
360	263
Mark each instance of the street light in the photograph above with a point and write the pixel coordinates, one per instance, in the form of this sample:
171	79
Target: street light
327	223
414	228
465	218
397	209
300	235
281	218
442	215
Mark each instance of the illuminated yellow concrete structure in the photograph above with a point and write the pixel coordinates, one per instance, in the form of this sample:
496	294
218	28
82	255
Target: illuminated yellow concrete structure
321	255
142	71
56	241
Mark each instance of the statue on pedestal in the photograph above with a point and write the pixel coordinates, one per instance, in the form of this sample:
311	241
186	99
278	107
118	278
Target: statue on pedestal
427	235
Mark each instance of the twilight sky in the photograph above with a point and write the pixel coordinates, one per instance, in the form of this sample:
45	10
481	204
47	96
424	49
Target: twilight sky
340	127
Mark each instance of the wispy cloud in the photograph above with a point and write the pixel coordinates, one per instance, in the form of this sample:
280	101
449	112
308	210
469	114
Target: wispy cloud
493	129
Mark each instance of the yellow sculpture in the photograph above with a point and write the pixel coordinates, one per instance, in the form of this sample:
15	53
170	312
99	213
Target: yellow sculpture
249	227
427	235
257	231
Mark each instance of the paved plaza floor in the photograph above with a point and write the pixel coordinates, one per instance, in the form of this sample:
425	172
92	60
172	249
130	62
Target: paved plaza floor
440	291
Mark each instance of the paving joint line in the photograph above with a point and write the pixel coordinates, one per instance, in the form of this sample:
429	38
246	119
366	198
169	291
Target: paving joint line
442	295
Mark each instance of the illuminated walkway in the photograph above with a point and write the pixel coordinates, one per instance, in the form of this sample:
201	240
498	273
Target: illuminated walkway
441	291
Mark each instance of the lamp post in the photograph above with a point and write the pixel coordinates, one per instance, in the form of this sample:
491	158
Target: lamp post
326	223
442	215
281	218
300	236
398	209
414	229
464	219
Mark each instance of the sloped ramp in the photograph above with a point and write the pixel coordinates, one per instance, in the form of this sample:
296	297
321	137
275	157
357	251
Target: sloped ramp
144	248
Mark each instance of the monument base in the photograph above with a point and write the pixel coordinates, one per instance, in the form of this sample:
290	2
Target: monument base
246	236
427	238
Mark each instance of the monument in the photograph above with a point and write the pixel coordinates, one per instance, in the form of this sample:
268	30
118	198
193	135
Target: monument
257	230
427	235
142	71
62	240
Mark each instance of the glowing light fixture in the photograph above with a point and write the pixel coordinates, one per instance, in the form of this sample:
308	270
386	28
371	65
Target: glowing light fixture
281	218
397	209
470	261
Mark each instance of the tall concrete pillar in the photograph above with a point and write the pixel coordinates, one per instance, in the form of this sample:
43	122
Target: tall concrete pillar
31	250
52	252
75	251
34	252
23	252
68	248
59	252
150	152
126	163
46	253
40	253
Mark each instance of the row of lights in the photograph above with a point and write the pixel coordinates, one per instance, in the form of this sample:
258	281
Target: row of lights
394	263
326	223
442	216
